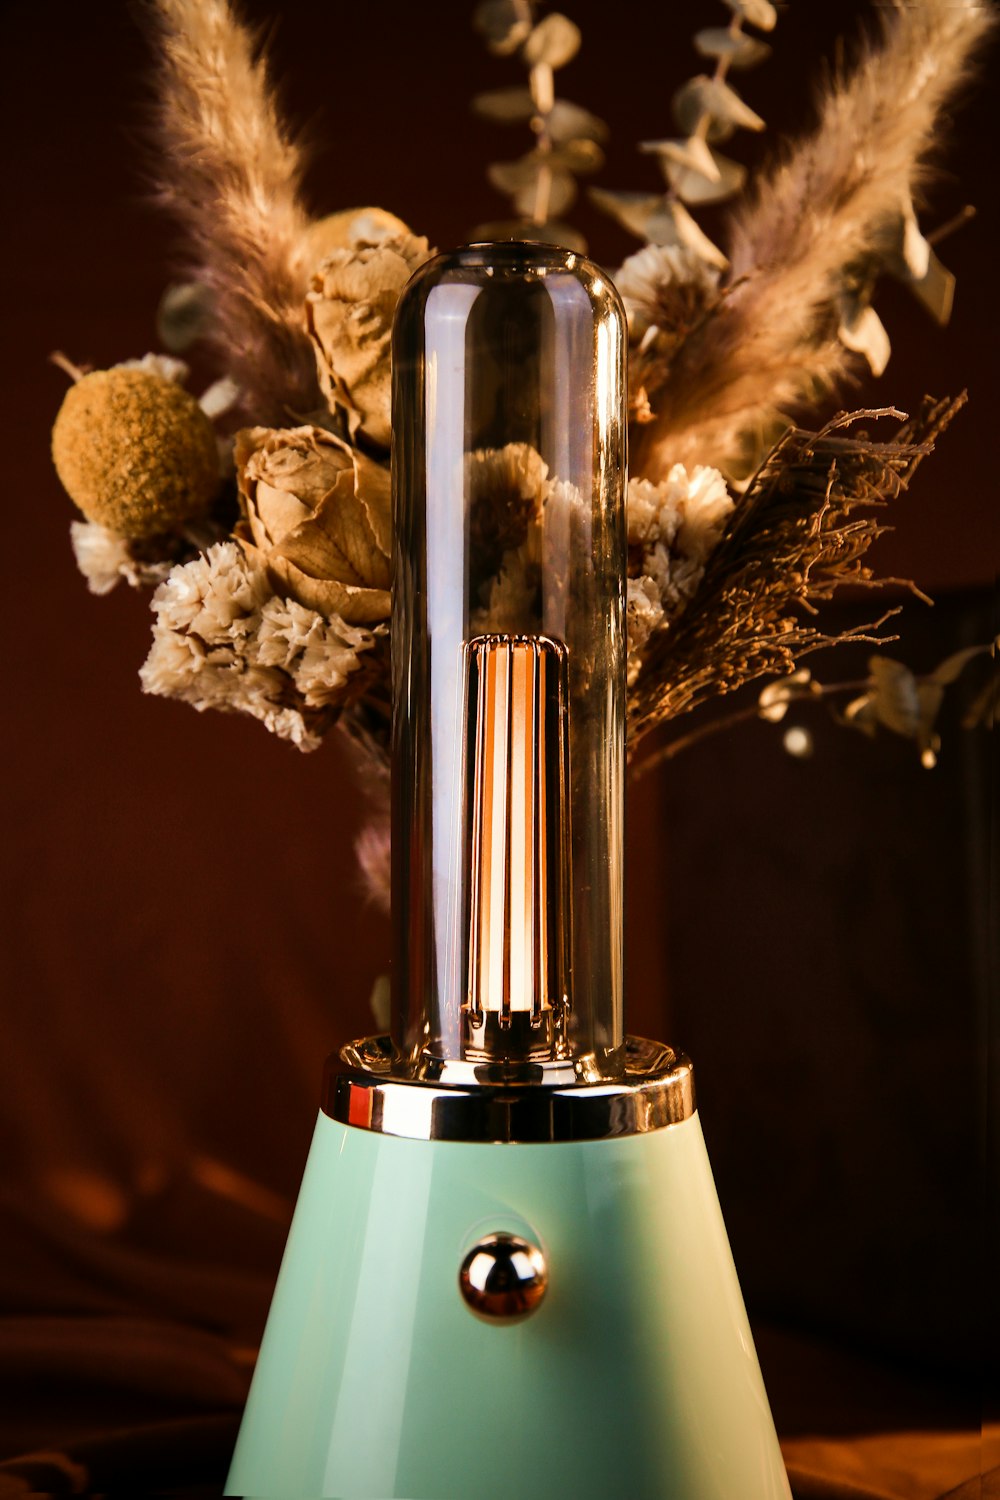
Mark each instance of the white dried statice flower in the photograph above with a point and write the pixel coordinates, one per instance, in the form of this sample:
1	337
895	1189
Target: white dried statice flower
660	285
105	559
673	528
214	597
220	397
644	613
318	654
164	365
223	640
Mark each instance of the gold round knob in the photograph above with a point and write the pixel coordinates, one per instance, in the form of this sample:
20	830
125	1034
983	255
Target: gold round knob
503	1278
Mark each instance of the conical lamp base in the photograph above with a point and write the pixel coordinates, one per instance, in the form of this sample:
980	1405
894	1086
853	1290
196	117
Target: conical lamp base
636	1374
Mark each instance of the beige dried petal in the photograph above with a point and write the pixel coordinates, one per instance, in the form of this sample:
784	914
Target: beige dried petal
304	462
348	230
349	312
105	558
320	515
337	541
359	606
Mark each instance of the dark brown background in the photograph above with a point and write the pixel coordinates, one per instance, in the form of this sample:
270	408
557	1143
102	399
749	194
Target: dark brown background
185	932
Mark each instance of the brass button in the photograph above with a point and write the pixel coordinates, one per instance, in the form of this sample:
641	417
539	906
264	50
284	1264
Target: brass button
503	1278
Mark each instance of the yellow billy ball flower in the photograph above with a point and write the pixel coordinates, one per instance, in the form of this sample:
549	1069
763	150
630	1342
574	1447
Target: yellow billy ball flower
135	451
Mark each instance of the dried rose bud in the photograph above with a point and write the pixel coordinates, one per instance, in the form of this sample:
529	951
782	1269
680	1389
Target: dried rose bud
135	451
349	312
320	517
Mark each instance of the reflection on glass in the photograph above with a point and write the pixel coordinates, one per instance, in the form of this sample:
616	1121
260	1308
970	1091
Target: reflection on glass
508	662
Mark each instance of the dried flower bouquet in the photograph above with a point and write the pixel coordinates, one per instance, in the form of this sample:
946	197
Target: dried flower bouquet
260	513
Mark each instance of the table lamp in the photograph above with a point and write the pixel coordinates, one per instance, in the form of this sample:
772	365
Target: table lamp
507	1277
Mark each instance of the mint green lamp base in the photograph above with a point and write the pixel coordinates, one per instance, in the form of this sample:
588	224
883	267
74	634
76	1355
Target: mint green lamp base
635	1376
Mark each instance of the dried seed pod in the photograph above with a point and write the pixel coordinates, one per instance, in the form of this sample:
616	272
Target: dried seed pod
135	451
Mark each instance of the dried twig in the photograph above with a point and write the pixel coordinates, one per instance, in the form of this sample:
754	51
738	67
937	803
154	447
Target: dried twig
799	534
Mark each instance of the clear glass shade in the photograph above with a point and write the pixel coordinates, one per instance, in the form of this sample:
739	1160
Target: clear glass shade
508	652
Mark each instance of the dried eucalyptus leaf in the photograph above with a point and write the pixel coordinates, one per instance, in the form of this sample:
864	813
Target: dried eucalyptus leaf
773	700
760	13
515	176
673	225
559	194
694	187
895	696
936	289
949	670
503	23
688	152
554	232
984	710
860	714
184	315
655	218
862	331
570	122
551	233
521	176
914	250
577	156
739	50
689	109
504	229
711	98
930	696
507	106
554	41
634	211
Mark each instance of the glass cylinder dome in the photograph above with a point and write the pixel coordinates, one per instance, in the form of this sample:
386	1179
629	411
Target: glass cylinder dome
508	648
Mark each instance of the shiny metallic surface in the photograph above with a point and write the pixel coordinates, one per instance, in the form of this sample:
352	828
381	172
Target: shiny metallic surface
507	1103
503	1278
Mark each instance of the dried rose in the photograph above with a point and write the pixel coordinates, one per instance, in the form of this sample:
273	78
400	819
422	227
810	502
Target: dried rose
135	451
320	517
349	312
350	229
